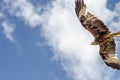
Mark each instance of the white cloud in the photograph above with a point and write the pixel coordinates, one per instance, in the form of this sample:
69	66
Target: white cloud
115	25
70	41
24	10
8	30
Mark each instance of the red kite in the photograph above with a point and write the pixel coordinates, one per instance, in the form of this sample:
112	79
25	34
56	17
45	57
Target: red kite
103	36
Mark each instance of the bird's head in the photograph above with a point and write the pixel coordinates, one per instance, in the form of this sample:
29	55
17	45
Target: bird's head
94	43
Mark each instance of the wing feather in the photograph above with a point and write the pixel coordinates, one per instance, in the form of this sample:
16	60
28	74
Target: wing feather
90	22
107	52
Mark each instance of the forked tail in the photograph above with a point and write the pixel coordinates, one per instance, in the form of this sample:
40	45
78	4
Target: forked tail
117	34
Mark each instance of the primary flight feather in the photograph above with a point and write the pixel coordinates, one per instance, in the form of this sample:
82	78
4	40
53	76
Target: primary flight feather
103	36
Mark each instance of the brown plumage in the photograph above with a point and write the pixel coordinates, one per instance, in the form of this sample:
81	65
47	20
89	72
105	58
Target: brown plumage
103	36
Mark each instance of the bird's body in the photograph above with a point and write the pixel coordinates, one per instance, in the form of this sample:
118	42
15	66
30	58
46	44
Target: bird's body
103	36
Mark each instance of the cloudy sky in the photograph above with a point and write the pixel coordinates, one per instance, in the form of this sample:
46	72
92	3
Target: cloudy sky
43	40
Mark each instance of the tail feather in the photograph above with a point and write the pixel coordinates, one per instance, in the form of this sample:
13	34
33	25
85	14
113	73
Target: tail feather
117	34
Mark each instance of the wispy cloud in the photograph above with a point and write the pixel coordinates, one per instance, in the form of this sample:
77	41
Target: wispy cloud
70	41
24	10
8	30
115	24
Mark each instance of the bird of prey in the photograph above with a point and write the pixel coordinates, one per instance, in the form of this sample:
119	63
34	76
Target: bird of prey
102	35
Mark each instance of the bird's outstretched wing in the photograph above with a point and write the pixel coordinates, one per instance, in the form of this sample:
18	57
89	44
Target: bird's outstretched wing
107	52
99	30
90	22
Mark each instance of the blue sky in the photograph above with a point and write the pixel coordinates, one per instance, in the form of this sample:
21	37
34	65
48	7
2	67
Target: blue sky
23	59
38	41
